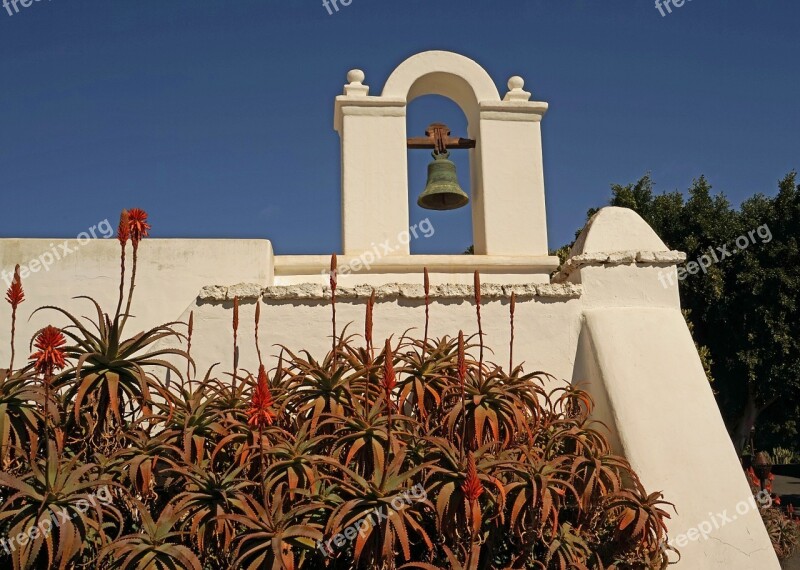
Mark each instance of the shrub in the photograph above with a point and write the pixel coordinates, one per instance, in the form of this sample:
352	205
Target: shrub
784	532
416	455
782	526
783	456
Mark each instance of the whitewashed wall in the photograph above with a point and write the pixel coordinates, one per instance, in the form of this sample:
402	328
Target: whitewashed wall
606	320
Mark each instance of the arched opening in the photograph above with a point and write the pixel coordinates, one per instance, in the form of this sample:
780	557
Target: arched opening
504	167
440	232
449	88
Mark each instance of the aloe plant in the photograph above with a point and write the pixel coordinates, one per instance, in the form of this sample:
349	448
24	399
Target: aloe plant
454	462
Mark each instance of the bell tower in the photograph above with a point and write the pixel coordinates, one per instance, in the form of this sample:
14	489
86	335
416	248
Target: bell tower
506	169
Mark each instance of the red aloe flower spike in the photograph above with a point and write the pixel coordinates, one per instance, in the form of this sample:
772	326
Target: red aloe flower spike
333	282
260	412
462	362
48	359
138	226
124	228
368	320
389	377
260	415
15	295
389	382
50	355
472	486
138	229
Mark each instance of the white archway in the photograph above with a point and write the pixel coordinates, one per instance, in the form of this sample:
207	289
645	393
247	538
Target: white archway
506	170
445	73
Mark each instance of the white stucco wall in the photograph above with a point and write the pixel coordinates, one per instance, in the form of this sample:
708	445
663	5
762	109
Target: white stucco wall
605	320
169	276
637	359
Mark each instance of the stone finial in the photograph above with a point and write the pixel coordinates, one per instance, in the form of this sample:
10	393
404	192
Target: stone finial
516	93
355	86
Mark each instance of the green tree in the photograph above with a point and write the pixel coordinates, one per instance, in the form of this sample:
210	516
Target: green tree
743	308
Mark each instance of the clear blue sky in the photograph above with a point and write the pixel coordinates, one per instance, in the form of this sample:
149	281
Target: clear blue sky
216	116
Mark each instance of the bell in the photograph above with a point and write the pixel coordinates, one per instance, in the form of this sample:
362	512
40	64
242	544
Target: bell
442	191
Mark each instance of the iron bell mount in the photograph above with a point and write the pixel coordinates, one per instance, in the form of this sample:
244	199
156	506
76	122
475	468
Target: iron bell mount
442	191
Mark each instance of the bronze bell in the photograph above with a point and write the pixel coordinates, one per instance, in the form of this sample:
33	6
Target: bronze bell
442	191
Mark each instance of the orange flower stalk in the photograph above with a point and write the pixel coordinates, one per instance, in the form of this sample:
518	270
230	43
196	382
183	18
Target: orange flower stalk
235	316
260	413
472	486
389	381
461	365
427	284
50	356
477	285
48	359
389	377
334	272
257	322
368	320
124	229
138	228
512	308
333	282
123	235
189	332
461	362
15	295
369	349
235	336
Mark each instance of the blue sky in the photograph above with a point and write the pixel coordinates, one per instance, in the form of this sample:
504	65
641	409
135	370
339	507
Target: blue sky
216	116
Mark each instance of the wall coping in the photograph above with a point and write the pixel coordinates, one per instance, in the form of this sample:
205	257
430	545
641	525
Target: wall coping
315	264
610	259
389	291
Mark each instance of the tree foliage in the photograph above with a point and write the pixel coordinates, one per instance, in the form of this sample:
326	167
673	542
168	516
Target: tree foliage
743	310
